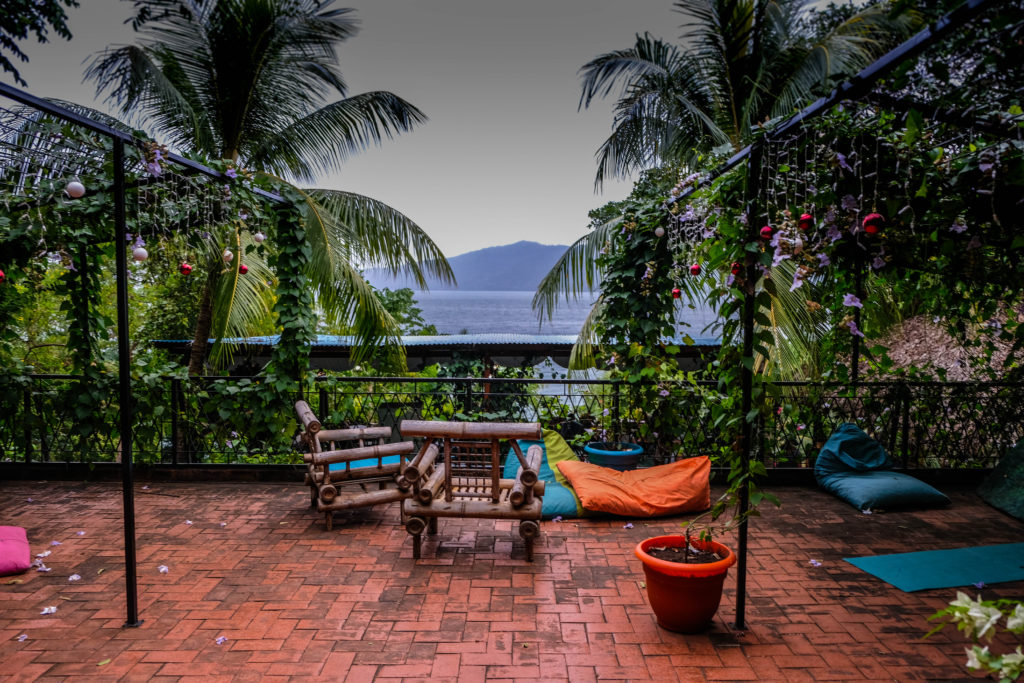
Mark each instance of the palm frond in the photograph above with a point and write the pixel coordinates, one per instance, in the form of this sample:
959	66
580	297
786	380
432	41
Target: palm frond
241	302
575	273
582	356
324	139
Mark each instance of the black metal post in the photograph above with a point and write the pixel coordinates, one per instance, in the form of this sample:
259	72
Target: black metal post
124	379
175	420
616	414
747	382
28	424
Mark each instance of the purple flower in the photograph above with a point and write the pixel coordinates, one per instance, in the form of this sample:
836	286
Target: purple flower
815	563
833	233
878	263
798	279
824	260
779	257
556	518
154	168
850	203
842	161
231	173
627	525
979	585
853	329
851	300
732	278
663	393
958	226
139	242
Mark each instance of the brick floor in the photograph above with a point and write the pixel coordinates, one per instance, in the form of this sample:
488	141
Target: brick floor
256	567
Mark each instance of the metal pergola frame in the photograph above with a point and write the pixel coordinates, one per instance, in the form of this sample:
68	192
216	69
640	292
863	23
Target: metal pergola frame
854	88
125	415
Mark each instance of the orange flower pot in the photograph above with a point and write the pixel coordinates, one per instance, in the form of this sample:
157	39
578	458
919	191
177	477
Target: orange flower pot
684	597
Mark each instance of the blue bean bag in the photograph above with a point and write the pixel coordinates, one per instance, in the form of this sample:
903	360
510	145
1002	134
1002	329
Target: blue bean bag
857	469
559	498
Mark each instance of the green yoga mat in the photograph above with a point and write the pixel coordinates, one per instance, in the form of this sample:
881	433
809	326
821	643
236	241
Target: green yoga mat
946	568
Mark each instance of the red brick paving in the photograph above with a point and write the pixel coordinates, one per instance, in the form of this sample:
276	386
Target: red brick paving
296	601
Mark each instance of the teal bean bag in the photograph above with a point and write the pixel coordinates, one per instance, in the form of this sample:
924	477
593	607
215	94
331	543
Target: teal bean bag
857	469
559	498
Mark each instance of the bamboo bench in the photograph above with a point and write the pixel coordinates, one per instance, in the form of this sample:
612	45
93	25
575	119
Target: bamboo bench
466	481
361	482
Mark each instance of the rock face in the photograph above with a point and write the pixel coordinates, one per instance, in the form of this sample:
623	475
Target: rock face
511	267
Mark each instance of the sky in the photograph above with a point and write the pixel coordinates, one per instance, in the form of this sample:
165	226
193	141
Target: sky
506	155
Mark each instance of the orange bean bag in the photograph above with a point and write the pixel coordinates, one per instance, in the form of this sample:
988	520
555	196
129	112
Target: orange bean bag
681	486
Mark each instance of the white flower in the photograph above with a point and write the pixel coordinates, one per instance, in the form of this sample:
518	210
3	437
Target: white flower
1012	665
1015	620
974	656
223	523
815	563
163	569
23	637
49	610
74	577
188	522
54	542
221	640
628	525
984	618
80	533
44	554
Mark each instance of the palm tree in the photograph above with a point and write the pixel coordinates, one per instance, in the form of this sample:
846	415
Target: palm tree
248	81
742	63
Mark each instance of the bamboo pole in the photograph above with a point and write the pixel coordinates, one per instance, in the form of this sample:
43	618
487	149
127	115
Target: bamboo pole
354	434
428	491
362	500
484	509
418	468
368	473
363	453
464	430
306	416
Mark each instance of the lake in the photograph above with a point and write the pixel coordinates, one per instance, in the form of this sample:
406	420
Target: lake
478	312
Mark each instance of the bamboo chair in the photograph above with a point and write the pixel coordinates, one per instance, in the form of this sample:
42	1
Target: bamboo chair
466	481
362	485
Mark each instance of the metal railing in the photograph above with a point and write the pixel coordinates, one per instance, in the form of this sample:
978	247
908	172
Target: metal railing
205	420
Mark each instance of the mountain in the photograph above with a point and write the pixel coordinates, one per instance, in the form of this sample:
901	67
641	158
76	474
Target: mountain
511	267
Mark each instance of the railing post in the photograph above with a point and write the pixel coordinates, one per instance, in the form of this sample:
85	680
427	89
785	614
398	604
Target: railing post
467	405
28	424
322	410
905	446
616	414
175	423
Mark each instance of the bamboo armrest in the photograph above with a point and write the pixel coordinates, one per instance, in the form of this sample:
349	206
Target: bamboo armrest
353	434
471	430
363	453
306	416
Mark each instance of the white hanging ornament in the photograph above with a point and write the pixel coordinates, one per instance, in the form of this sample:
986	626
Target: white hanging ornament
140	254
258	237
227	256
659	231
75	189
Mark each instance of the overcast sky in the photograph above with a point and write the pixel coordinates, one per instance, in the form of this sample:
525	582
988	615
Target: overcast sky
505	157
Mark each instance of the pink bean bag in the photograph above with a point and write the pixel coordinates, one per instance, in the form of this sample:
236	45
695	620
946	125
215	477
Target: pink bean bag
15	553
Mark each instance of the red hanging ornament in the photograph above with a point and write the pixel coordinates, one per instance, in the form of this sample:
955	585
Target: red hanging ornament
184	268
873	223
736	267
766	232
676	293
695	269
806	221
3	276
243	269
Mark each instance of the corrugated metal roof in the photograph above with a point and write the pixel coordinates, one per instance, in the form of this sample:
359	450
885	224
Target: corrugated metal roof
494	339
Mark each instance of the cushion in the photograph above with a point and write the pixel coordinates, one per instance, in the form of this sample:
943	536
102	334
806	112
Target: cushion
857	469
15	554
368	462
681	486
883	489
559	499
849	449
1003	488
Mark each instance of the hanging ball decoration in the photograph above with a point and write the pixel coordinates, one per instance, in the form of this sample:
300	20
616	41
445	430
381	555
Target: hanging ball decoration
873	223
676	293
227	256
736	268
695	269
185	268
140	254
258	237
806	221
659	231
3	276
243	269
75	189
766	232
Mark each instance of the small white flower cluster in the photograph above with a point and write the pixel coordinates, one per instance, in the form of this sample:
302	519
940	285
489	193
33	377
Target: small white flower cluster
980	619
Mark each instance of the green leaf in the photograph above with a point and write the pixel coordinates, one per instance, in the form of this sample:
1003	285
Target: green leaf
915	123
103	663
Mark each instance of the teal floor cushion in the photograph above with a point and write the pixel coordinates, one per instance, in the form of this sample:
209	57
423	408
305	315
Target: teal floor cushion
857	469
559	498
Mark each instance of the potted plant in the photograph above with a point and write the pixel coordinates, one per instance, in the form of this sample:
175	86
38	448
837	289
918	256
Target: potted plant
618	455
